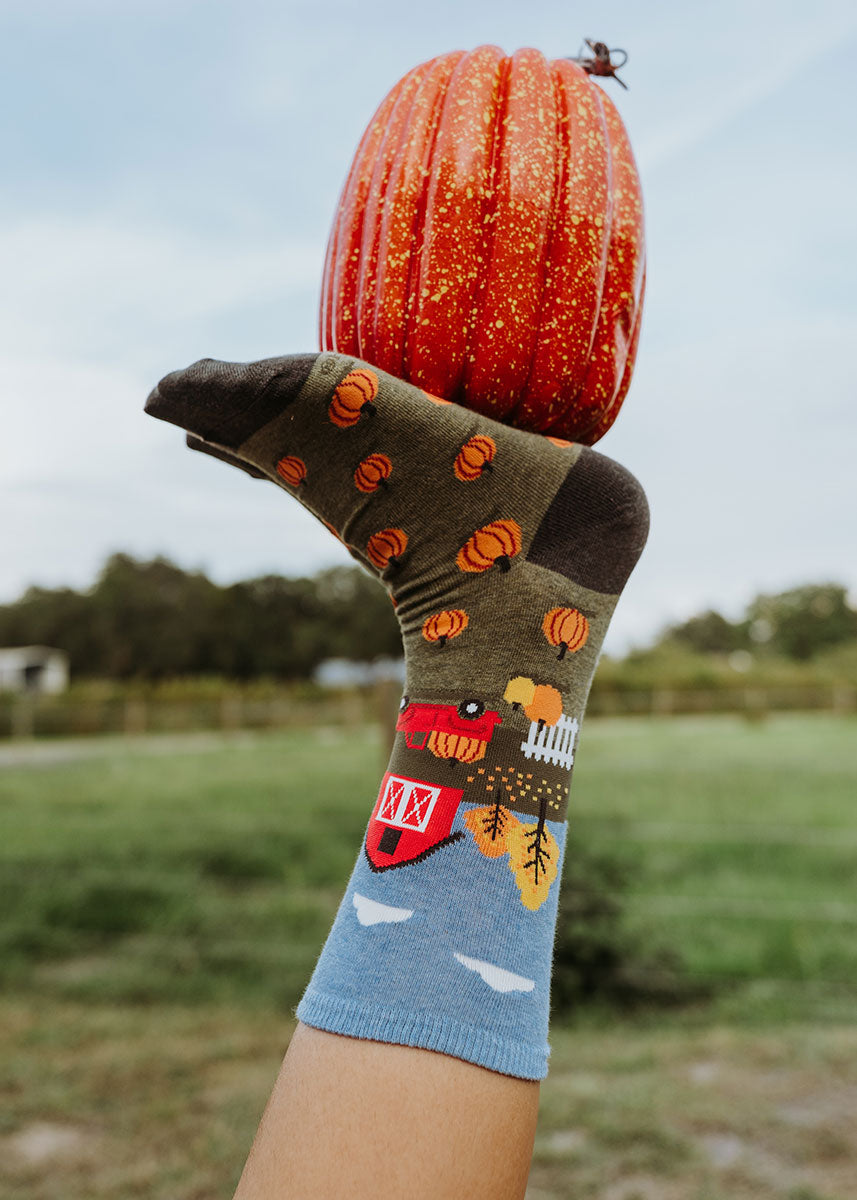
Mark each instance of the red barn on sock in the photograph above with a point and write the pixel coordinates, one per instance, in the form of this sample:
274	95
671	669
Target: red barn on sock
411	819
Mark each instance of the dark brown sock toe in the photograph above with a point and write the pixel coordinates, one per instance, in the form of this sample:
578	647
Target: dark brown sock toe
225	402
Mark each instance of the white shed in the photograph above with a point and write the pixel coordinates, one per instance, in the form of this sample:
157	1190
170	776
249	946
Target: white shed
37	669
343	673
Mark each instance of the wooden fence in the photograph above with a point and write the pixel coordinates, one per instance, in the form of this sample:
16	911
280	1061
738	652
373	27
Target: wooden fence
63	716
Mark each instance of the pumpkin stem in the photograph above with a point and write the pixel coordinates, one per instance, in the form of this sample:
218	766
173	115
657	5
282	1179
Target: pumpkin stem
562	650
368	408
442	639
601	63
503	562
487	466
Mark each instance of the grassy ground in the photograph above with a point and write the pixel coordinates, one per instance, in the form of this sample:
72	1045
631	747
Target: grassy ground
161	905
162	1103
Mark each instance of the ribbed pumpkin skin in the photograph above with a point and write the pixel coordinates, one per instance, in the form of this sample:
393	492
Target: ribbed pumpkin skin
442	626
456	745
488	245
292	470
497	542
385	547
567	628
353	397
372	473
474	457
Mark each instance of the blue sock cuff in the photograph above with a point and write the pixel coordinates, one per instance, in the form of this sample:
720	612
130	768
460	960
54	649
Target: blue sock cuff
428	1031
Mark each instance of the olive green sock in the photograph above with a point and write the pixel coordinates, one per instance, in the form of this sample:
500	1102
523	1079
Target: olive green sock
504	554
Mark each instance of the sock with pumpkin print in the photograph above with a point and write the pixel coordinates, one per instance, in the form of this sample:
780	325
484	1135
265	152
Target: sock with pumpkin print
504	554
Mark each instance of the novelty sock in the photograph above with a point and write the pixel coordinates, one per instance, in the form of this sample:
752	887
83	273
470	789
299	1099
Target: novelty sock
197	443
504	553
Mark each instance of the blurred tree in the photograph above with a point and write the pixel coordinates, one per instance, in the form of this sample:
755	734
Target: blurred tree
796	624
359	615
152	620
803	621
709	633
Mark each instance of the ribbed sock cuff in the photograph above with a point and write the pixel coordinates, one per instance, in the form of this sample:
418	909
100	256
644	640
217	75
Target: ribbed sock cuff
426	1031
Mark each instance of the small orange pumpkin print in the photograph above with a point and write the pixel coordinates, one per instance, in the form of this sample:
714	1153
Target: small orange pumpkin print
434	399
445	625
474	457
457	746
558	441
353	398
495	544
545	707
386	547
567	628
373	473
292	470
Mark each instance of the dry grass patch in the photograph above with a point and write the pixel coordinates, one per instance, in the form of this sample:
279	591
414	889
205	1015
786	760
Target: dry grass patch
162	1102
698	1114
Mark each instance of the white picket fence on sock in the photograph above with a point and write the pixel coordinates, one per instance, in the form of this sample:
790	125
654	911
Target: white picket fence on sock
552	743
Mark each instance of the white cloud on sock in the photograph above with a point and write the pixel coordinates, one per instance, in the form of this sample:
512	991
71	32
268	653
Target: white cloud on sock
496	977
372	912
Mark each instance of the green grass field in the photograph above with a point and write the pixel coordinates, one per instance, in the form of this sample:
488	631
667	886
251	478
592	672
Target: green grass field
162	902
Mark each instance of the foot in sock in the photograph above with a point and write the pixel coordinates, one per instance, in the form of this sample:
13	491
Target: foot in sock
504	553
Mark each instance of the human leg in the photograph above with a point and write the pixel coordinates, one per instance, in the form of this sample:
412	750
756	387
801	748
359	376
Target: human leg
371	1121
504	554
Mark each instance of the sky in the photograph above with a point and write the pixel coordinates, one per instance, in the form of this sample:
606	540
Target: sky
171	168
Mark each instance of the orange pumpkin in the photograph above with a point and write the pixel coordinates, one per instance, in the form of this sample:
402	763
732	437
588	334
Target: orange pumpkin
561	441
386	547
353	397
567	628
494	544
292	470
489	246
457	746
373	473
434	399
445	625
474	457
545	706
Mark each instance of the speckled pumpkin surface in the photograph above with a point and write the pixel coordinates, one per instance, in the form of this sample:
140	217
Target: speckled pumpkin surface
488	245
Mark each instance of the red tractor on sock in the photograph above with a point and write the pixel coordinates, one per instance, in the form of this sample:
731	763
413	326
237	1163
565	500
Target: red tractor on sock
460	733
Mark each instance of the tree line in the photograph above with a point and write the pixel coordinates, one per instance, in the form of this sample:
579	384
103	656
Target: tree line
797	624
154	620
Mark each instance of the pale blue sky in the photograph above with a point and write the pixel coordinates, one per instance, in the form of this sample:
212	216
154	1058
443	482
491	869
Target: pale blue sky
170	172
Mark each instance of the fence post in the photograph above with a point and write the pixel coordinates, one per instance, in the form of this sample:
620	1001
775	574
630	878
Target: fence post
230	711
755	704
135	718
24	715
